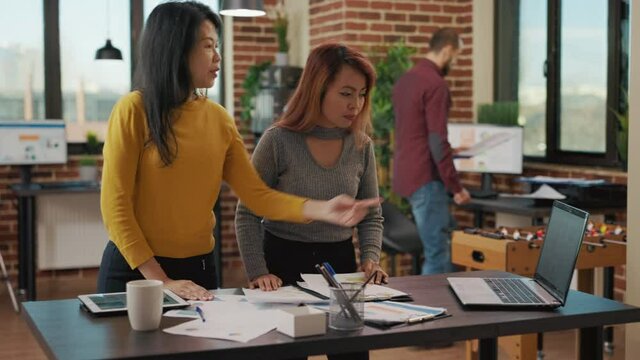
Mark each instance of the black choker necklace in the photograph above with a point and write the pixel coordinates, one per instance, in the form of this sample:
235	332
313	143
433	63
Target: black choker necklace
328	133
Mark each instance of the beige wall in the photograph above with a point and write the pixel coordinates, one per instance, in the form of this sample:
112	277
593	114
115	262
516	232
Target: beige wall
298	32
632	344
227	62
482	53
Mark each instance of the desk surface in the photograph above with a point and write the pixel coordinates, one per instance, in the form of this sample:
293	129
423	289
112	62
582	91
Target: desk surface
66	332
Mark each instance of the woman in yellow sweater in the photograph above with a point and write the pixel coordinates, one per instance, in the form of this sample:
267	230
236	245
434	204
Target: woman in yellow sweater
167	150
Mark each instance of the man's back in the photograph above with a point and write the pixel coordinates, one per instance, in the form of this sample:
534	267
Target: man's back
422	153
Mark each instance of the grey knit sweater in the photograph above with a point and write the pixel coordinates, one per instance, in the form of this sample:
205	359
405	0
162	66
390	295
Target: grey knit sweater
285	163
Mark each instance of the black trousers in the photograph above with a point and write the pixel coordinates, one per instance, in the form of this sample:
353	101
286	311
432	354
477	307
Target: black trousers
115	272
288	259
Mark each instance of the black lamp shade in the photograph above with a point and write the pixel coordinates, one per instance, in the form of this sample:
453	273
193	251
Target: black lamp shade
242	8
108	52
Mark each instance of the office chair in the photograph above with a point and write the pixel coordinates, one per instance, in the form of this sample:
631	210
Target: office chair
5	277
400	236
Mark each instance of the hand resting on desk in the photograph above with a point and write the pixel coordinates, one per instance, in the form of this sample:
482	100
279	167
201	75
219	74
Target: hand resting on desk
369	267
188	290
268	282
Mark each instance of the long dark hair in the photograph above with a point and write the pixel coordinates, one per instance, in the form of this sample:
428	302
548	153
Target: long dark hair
162	73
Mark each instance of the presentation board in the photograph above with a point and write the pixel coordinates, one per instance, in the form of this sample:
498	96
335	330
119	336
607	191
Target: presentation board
491	148
32	142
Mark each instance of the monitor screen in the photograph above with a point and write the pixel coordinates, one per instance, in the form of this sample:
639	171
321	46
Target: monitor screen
491	148
32	142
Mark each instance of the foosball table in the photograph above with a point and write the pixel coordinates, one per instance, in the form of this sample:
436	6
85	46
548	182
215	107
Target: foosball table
516	250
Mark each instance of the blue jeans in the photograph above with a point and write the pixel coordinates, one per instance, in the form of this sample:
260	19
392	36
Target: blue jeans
430	207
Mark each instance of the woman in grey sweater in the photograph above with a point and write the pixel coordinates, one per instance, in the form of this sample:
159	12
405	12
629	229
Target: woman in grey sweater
318	149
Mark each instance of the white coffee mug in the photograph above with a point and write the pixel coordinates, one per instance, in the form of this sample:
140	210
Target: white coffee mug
144	304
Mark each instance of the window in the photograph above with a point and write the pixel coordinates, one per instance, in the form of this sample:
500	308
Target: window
532	84
21	61
569	75
91	87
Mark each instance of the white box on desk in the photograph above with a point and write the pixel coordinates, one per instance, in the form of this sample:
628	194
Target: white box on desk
302	321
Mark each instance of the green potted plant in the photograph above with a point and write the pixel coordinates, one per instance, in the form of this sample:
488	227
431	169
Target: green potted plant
251	86
88	164
390	67
499	113
281	26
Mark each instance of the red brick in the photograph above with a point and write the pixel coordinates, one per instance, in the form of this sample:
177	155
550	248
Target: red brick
357	3
250	29
456	9
381	27
369	15
392	38
381	5
419	18
442	19
395	17
405	28
355	26
430	7
404	6
371	38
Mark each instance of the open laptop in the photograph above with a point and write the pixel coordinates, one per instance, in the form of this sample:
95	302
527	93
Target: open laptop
550	284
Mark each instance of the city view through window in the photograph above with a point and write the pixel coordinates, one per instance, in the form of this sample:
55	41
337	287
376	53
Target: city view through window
90	87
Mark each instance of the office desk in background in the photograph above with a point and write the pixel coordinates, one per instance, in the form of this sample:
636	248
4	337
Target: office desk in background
27	195
67	332
525	207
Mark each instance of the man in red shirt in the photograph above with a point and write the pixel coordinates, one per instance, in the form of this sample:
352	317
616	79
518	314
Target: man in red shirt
423	158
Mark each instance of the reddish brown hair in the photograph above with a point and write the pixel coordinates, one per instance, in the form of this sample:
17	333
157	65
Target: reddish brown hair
323	64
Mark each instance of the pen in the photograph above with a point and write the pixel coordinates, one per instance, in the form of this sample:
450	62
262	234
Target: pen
329	268
420	319
373	274
343	300
200	312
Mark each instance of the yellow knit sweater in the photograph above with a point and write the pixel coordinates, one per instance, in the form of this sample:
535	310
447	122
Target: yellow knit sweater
150	209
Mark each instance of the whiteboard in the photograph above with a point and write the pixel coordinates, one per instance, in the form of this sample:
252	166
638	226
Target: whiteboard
493	148
32	142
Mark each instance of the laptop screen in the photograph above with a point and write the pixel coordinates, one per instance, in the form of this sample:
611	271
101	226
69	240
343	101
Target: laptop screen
560	248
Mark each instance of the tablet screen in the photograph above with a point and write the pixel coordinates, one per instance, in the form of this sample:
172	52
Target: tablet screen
119	301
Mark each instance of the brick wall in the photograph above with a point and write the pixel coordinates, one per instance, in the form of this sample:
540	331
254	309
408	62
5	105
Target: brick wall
372	26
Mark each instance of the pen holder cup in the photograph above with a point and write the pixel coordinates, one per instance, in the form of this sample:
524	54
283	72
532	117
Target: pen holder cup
346	307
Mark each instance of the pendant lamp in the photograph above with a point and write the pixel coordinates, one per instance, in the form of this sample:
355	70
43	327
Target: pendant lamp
242	8
108	51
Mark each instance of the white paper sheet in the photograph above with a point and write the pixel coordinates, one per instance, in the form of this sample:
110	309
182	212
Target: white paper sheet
236	321
284	295
317	283
544	192
391	312
190	312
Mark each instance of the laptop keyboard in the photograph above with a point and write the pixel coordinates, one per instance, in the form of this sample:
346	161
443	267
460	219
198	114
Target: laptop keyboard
513	291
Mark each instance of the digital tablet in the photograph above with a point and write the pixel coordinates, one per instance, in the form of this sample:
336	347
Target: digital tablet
116	303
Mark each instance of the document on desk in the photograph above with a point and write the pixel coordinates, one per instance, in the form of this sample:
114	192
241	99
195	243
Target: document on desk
372	292
284	295
544	192
235	321
393	313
